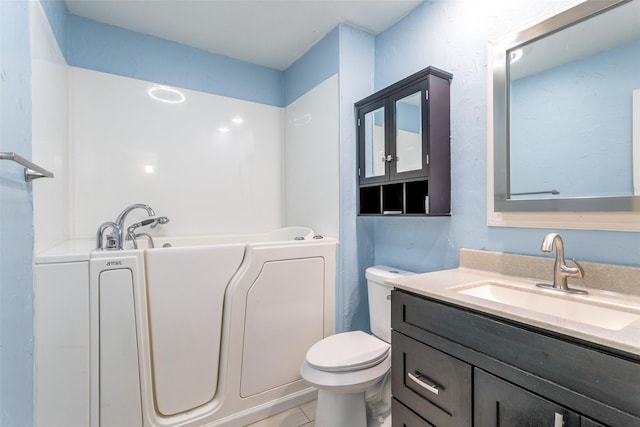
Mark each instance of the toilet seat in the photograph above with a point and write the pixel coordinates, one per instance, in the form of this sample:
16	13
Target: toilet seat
347	351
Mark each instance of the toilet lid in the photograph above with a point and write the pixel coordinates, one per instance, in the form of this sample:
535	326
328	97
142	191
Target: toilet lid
348	351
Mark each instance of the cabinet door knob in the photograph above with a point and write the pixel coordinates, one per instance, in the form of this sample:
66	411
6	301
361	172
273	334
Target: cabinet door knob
387	158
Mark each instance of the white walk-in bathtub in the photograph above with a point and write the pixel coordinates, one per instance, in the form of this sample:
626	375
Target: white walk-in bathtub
210	331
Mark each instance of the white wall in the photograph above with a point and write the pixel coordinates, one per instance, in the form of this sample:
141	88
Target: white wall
129	148
50	133
311	159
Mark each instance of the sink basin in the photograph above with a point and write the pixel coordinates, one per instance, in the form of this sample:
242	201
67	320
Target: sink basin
604	311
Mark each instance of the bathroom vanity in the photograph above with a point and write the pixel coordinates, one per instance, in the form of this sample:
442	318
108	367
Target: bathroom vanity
459	360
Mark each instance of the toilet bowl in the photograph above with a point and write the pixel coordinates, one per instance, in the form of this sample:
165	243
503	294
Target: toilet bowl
351	368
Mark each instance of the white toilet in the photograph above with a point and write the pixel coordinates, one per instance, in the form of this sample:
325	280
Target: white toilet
352	368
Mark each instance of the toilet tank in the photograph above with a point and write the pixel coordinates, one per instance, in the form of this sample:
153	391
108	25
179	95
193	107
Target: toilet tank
380	298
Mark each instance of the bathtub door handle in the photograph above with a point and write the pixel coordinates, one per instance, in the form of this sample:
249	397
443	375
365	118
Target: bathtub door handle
427	384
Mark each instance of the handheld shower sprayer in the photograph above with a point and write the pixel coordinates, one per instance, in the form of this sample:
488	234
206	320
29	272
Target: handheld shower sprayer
159	220
153	222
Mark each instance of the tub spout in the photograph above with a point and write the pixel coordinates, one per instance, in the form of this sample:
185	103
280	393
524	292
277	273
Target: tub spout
112	238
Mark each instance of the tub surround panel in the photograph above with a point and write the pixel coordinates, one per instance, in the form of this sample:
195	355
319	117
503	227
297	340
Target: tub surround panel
130	148
110	49
311	145
49	81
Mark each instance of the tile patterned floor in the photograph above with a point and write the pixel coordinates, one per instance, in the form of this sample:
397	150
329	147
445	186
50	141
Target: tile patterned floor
303	415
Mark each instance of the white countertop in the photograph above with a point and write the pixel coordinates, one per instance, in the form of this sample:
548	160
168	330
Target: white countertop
437	285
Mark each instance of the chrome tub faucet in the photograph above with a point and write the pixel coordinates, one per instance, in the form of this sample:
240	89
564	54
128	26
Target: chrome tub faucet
561	272
123	216
115	239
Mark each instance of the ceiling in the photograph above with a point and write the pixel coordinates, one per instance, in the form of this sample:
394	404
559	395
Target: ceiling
271	33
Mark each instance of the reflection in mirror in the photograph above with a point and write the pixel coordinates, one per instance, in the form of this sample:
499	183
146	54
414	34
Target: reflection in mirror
374	162
562	98
409	133
570	110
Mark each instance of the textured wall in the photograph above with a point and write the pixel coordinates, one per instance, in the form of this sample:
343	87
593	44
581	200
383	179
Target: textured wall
453	35
16	219
357	50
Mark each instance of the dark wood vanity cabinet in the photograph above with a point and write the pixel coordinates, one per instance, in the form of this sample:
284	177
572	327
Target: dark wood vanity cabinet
404	147
473	369
499	403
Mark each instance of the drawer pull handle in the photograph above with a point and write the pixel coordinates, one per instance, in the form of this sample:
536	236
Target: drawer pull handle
431	386
558	420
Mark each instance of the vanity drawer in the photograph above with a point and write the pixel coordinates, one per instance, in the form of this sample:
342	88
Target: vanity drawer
405	417
435	385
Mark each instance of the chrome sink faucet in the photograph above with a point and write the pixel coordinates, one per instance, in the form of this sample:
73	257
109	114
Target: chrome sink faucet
561	272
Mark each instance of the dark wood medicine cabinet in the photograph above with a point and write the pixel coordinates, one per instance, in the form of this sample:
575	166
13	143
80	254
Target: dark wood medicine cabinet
404	147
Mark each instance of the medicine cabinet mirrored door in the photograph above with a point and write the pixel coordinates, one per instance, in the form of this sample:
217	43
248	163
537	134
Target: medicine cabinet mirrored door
407	142
403	143
373	162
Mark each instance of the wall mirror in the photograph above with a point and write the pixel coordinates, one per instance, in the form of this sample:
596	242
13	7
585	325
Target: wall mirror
564	135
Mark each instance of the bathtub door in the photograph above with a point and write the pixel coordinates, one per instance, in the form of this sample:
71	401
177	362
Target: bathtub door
186	288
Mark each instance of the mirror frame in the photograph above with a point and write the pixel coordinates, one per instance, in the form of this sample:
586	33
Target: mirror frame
615	213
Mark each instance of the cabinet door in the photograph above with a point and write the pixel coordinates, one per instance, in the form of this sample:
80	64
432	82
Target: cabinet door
373	141
408	142
499	403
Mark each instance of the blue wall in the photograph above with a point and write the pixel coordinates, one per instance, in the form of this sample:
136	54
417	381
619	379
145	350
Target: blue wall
16	219
449	34
314	67
453	35
110	49
106	48
357	56
589	158
58	17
